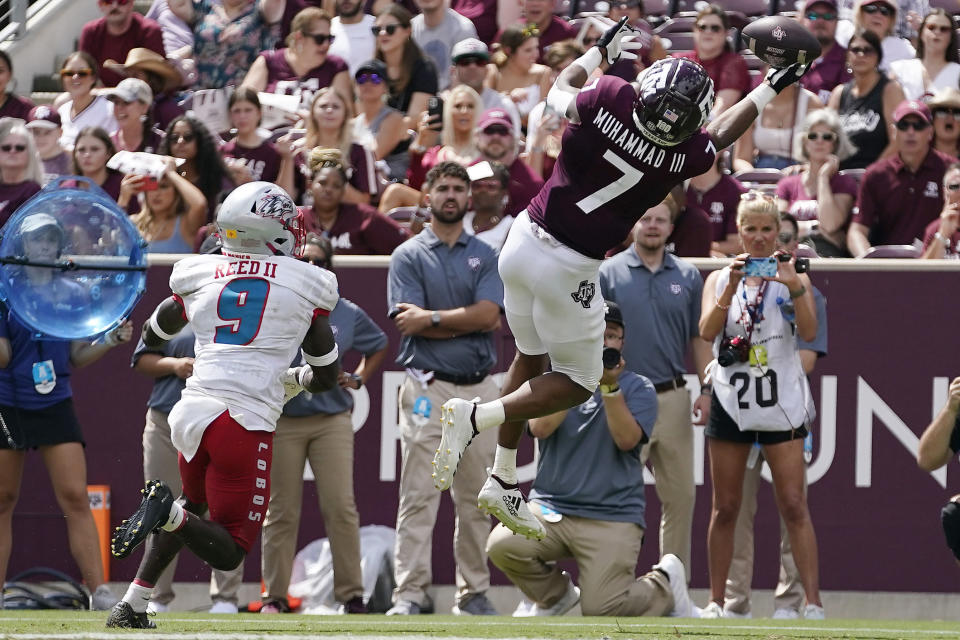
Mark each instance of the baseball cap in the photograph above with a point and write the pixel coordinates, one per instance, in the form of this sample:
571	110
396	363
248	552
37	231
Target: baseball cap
494	116
372	66
43	117
38	221
131	90
469	48
810	3
612	313
911	108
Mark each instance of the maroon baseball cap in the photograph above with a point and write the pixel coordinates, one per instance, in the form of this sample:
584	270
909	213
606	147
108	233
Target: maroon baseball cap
912	108
810	3
43	117
494	116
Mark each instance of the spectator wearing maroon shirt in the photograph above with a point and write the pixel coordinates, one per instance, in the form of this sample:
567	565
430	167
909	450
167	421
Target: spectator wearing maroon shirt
712	51
901	195
357	229
818	197
11	105
21	172
483	14
718	194
119	30
249	156
551	27
303	66
941	238
496	141
830	69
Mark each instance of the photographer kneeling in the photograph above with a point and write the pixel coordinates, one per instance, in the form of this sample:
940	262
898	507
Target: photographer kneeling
754	311
595	517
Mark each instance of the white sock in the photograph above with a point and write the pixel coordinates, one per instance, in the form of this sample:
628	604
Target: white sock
138	596
489	415
177	516
505	465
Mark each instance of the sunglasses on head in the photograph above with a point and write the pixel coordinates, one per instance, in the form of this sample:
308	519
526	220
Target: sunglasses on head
829	17
320	38
390	29
862	51
466	62
80	73
943	112
183	137
827	136
7	148
882	9
716	28
953	186
364	78
497	130
916	125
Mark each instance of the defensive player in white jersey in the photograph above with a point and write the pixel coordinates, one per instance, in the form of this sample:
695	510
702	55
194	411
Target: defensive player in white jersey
251	309
624	150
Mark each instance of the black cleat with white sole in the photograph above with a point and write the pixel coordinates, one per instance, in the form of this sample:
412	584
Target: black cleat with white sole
122	616
153	512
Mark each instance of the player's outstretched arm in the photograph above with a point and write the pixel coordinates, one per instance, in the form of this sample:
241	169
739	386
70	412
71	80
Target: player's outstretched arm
167	321
734	122
321	355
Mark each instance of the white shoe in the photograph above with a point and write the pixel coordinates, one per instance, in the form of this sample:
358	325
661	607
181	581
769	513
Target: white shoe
673	567
712	610
786	614
525	609
222	606
506	504
154	608
813	612
566	602
457	430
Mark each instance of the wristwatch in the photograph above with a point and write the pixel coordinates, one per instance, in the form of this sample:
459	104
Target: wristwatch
435	319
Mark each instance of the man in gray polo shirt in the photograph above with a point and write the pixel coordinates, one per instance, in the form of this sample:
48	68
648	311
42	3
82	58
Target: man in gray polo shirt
660	298
445	296
597	518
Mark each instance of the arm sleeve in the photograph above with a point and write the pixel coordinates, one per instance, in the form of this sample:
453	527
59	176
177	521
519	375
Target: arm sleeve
641	400
424	78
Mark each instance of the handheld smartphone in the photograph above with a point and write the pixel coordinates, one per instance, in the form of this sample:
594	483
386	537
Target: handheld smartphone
150	183
435	111
763	267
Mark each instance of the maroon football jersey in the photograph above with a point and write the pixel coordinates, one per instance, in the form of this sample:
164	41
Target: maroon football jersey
608	174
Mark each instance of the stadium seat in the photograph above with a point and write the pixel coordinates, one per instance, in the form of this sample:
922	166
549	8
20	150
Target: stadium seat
678	42
759	176
404	214
682	24
806	251
892	251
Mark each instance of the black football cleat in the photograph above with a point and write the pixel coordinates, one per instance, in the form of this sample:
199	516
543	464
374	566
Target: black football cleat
153	512
122	616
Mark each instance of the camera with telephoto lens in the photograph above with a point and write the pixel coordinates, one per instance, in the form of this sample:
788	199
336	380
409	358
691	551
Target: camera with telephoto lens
802	265
611	358
733	349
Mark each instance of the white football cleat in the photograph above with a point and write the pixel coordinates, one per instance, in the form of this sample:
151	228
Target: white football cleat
457	430
673	567
506	503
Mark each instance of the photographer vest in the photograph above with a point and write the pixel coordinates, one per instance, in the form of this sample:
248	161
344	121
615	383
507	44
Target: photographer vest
769	392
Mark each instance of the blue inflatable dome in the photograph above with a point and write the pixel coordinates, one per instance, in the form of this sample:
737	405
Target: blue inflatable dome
72	264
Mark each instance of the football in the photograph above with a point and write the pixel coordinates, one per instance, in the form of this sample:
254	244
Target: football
780	41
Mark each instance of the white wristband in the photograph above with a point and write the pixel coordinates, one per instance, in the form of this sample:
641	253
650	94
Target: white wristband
155	327
321	361
762	95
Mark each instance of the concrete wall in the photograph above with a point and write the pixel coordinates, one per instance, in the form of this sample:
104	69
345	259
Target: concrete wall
52	30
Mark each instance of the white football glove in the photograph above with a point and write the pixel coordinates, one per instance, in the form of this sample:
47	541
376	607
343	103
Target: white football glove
618	40
780	79
292	382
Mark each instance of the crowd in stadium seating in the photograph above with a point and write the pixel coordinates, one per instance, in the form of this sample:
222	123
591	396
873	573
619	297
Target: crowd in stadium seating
347	104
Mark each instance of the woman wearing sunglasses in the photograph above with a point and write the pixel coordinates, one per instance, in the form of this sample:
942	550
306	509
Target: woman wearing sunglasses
879	17
203	166
83	108
378	125
303	66
514	71
866	102
713	52
21	170
411	78
819	197
457	139
936	65
941	239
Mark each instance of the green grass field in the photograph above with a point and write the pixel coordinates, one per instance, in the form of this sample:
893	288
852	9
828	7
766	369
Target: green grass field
89	625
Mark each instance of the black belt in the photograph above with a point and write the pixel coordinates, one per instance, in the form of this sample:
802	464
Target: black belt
669	385
465	379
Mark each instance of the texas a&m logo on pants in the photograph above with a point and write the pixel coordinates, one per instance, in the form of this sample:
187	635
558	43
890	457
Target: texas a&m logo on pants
584	293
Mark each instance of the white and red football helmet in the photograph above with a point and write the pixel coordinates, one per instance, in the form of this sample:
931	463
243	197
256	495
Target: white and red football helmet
260	218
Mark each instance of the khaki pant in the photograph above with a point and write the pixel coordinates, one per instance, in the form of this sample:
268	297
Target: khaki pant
160	462
326	441
419	499
789	592
606	554
670	450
